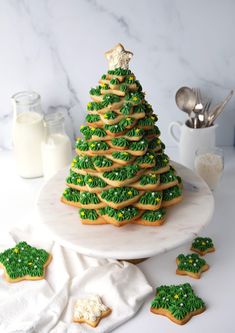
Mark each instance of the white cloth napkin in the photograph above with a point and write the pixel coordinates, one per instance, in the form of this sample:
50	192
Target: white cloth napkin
47	305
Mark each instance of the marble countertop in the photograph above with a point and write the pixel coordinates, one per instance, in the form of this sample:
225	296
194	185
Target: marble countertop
215	286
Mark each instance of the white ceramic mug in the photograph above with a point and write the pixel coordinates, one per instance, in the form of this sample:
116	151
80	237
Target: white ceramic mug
191	139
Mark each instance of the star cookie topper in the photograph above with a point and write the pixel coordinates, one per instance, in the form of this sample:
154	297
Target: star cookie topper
118	57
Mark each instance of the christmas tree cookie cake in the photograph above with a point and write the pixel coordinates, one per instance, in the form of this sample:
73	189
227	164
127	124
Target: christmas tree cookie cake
121	174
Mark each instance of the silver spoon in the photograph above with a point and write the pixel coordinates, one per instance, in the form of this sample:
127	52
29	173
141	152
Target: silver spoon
186	100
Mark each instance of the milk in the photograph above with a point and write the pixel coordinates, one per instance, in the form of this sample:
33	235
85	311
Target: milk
210	167
56	153
28	134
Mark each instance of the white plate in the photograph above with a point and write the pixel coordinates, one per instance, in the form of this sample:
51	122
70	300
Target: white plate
184	221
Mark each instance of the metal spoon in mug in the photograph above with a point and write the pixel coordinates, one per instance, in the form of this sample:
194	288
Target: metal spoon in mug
216	111
198	107
186	101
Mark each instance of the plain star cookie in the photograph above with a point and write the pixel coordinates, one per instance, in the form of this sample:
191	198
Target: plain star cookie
90	310
24	262
177	302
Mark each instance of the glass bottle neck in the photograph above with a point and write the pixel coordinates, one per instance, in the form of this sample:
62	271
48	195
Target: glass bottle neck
54	123
26	101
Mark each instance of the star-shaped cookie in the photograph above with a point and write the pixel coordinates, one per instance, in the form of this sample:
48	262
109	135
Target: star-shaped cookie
118	57
24	262
90	310
191	265
177	302
203	245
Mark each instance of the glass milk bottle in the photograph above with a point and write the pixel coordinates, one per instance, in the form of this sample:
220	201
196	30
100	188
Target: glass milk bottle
28	133
56	149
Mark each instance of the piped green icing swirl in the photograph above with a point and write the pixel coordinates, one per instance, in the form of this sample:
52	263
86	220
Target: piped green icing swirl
114	81
122	155
110	115
94	181
123	173
151	198
202	243
110	99
154	215
120	142
126	109
120	215
138	145
190	263
71	194
82	162
92	118
95	91
123	87
87	198
147	158
172	193
119	71
98	145
147	121
82	145
120	126
134	97
150	178
102	161
152	131
24	260
162	161
89	214
120	194
76	179
154	143
135	132
167	177
179	300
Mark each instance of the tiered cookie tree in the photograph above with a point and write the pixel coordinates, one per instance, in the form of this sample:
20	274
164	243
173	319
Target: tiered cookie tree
121	174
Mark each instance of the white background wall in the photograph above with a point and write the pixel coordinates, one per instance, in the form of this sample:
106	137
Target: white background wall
56	47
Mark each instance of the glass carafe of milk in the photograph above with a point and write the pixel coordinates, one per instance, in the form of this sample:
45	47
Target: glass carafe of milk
28	133
56	149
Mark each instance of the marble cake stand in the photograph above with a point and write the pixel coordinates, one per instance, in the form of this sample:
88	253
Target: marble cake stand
184	222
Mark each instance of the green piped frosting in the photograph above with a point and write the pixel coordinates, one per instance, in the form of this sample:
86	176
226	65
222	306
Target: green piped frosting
190	263
153	131
151	178
119	71
138	145
120	142
123	173
120	126
135	132
82	145
87	198
147	120
23	260
95	91
102	161
126	213
94	181
162	161
76	179
114	81
171	193
154	143
98	145
119	194
110	115
92	118
179	300
151	198
120	155
202	243
71	194
89	214
154	215
82	162
126	109
167	177
147	158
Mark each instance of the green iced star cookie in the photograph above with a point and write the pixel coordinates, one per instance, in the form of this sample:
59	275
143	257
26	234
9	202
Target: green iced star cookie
177	302
203	245
24	262
191	265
